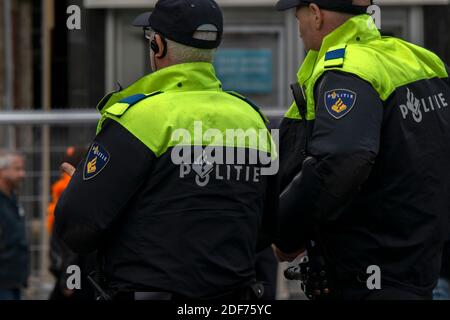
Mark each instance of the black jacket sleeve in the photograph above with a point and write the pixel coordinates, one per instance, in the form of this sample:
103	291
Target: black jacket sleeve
268	228
342	150
89	208
448	73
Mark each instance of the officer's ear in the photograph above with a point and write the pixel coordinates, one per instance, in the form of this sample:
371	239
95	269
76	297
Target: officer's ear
317	16
161	47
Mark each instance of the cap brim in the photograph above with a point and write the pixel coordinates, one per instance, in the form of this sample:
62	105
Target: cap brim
287	4
143	20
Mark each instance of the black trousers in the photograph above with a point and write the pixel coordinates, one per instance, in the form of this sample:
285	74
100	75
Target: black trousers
241	295
266	268
385	293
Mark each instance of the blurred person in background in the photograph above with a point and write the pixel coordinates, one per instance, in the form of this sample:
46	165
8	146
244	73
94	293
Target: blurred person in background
14	265
61	257
72	155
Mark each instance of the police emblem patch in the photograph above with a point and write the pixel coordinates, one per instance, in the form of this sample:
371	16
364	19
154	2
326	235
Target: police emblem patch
96	161
339	102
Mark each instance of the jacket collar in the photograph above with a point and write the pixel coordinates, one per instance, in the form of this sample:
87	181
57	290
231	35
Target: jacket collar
195	76
183	77
358	29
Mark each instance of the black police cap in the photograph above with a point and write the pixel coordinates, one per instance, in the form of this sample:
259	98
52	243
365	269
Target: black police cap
345	6
178	20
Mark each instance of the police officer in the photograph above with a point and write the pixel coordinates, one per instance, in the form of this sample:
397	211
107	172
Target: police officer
364	156
14	260
161	193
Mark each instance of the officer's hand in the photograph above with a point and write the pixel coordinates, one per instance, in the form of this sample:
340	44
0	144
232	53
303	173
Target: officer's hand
68	168
289	257
68	293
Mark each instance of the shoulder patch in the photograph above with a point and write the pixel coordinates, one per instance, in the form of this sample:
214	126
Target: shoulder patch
339	102
96	161
133	99
123	105
335	56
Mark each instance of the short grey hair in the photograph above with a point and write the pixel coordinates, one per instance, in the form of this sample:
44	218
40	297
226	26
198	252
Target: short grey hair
180	53
7	157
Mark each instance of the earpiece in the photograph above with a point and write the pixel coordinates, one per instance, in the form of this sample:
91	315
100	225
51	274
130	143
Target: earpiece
155	48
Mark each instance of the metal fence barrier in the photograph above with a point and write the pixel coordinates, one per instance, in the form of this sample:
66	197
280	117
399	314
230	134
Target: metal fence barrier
43	137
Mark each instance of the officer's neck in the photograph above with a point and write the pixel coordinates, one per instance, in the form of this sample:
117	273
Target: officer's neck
162	64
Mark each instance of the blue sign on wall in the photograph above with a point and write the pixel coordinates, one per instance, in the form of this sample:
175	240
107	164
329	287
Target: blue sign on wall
245	70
